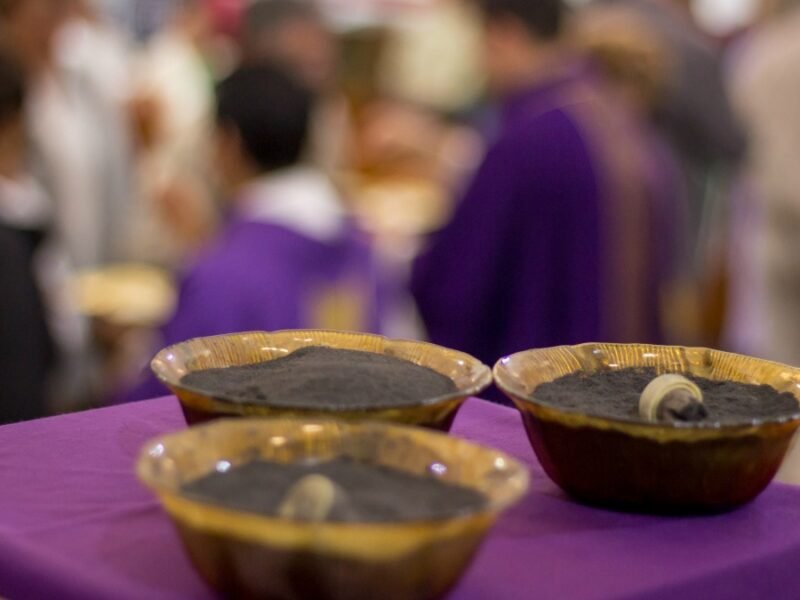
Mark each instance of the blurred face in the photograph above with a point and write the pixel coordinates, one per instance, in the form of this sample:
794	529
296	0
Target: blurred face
509	53
306	48
232	166
33	24
12	146
224	158
196	22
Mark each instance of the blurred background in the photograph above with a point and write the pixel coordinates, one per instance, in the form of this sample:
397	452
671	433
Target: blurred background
113	188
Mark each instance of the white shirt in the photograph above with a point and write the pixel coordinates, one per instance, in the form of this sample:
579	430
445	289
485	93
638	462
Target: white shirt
302	199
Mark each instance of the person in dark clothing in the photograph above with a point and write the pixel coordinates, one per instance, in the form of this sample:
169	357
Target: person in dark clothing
559	235
24	341
25	344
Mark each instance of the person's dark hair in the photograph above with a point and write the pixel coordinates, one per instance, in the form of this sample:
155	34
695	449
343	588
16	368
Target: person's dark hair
263	17
271	112
543	18
7	7
12	87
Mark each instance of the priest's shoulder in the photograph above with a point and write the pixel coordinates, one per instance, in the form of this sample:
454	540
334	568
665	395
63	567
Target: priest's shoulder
556	128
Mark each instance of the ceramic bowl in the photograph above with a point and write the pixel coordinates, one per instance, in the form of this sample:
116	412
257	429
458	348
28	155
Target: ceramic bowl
641	466
469	375
247	555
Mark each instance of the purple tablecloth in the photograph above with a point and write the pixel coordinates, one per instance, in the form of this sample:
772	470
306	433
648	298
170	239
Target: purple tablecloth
74	523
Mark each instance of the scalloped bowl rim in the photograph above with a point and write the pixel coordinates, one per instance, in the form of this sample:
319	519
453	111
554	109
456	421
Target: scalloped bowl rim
483	373
509	384
516	472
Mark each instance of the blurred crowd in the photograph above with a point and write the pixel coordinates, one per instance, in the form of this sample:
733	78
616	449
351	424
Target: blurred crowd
492	175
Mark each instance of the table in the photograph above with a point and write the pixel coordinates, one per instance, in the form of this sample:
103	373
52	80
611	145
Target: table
75	523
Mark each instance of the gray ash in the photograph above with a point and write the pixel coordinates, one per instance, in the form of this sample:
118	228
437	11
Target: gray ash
373	493
615	393
324	377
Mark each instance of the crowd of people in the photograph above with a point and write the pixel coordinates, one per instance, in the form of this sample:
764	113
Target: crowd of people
492	175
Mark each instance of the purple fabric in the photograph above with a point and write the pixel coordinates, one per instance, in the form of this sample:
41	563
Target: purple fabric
539	249
491	284
74	523
260	276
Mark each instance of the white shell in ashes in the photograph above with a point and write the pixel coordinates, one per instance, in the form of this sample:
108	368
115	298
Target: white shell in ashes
310	499
661	387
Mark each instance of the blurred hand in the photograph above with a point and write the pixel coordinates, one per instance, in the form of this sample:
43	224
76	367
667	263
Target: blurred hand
396	132
146	117
181	205
12	149
404	140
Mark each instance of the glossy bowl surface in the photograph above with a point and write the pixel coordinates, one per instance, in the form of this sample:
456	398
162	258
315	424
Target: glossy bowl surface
469	375
649	467
246	555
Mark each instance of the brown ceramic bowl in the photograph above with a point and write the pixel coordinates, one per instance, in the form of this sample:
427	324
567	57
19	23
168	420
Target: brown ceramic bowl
246	555
172	363
644	466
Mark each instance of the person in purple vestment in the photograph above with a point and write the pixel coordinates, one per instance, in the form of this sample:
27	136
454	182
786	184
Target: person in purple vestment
555	240
288	256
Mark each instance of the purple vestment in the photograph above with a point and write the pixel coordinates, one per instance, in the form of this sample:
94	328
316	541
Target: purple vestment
260	276
556	240
287	259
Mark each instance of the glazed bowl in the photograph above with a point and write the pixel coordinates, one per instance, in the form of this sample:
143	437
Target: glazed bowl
247	555
469	375
640	466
